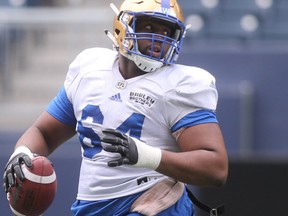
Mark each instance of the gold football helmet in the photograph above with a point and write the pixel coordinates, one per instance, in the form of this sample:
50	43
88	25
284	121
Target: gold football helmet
126	38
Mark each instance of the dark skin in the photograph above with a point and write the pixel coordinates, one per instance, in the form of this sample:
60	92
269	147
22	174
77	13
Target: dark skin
127	67
203	158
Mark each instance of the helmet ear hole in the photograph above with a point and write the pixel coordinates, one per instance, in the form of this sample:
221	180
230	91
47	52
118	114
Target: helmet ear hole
117	31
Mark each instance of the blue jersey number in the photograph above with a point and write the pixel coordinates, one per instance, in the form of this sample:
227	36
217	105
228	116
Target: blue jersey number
90	140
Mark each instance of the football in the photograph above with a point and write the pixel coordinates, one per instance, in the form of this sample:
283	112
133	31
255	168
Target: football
36	193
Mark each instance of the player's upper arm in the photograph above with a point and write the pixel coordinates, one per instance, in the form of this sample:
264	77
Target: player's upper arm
206	136
53	131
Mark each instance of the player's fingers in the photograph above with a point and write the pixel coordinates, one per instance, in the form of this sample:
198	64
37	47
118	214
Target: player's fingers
127	161
115	163
9	177
115	140
109	148
10	180
5	187
5	182
18	171
109	131
26	160
114	148
109	139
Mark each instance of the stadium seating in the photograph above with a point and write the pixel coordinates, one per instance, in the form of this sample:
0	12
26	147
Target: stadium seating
238	20
10	3
254	125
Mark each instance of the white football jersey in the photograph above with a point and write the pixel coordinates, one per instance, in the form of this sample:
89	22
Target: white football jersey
153	107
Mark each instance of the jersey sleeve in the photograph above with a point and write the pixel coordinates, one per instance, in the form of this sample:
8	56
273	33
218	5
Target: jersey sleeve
61	108
84	63
73	76
192	101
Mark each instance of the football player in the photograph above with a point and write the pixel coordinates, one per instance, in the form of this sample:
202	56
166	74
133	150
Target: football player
147	125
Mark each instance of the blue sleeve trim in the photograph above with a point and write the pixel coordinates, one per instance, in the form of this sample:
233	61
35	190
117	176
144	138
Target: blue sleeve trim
194	118
62	109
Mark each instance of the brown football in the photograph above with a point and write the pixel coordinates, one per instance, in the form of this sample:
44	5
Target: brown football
35	194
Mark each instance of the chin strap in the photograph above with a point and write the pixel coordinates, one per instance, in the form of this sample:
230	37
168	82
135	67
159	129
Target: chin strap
212	211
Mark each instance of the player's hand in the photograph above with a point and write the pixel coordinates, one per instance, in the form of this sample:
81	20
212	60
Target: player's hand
132	151
122	144
21	155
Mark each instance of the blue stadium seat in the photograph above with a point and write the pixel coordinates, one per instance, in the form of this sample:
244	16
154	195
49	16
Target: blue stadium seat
247	5
281	4
196	6
227	30
281	10
28	3
233	9
275	29
4	3
229	26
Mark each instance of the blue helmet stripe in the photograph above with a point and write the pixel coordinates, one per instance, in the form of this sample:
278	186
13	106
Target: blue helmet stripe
165	4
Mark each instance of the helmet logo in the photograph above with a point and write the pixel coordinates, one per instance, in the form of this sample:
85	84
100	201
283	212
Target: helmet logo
165	5
165	10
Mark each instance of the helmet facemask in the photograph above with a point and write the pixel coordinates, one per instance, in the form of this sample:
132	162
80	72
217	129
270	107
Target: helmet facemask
126	38
150	62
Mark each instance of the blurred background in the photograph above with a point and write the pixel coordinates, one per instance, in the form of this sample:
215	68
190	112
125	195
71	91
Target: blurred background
243	43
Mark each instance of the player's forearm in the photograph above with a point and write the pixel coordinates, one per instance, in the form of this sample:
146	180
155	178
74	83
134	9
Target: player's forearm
201	167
